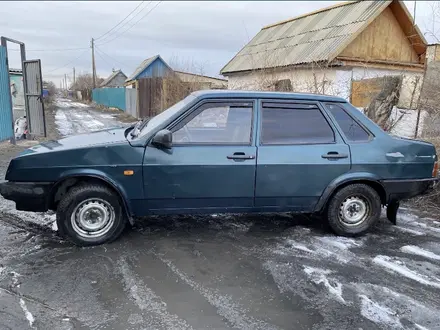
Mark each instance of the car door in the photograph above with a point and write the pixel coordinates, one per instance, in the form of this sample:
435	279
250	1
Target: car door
299	154
211	165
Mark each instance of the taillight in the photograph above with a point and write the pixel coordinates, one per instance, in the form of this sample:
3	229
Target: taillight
435	170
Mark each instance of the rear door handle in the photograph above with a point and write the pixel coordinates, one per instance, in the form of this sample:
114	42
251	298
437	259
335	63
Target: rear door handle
334	155
240	155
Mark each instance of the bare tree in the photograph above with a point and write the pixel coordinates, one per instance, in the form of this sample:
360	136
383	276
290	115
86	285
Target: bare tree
85	81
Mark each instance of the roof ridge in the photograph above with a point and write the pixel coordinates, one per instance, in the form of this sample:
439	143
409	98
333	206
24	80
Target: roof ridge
345	3
199	75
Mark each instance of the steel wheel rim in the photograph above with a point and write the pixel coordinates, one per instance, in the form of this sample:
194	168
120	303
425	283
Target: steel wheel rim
93	218
353	211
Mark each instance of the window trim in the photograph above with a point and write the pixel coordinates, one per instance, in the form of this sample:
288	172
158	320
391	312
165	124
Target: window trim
196	107
371	136
286	105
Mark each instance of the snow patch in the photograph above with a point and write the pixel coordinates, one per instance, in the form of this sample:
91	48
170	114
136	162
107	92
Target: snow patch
331	247
409	230
383	305
319	276
412	249
399	267
66	103
64	126
93	124
378	313
107	116
28	314
54	226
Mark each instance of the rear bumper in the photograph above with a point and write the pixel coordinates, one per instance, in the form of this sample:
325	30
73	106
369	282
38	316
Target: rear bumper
397	190
28	196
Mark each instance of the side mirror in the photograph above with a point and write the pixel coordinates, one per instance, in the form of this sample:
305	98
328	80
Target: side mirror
163	138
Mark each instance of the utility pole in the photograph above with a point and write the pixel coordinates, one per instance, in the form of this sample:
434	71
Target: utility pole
74	75
93	63
65	80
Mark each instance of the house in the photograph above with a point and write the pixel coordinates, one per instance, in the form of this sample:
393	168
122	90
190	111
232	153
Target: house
17	92
152	67
156	67
206	82
342	50
155	86
116	79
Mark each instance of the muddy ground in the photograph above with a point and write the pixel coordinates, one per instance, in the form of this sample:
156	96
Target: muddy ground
215	272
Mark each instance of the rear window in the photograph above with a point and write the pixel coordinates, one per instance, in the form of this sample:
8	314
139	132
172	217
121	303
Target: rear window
352	130
294	124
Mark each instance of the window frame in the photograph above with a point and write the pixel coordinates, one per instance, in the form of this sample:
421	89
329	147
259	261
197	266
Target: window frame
285	104
197	109
371	136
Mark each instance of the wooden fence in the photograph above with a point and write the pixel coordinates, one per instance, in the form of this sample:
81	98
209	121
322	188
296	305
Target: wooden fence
158	94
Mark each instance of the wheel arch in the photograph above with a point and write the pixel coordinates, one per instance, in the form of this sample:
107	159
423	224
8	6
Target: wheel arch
338	184
69	180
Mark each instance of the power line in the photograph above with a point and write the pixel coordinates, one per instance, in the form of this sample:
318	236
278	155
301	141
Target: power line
61	67
50	50
132	25
126	22
120	21
99	50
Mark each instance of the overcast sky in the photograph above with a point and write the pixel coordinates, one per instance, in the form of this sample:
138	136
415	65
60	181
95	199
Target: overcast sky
192	35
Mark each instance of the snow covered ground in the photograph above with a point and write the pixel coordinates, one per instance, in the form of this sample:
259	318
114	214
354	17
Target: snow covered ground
273	271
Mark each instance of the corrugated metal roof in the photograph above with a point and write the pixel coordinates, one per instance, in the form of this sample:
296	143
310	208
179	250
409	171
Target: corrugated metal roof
145	64
111	77
318	36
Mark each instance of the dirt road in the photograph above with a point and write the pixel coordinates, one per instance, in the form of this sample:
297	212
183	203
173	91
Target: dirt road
218	271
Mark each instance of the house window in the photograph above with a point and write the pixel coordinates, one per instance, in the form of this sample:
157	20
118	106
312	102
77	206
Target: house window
283	85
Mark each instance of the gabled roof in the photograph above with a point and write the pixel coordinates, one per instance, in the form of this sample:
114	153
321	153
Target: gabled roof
145	64
315	37
111	77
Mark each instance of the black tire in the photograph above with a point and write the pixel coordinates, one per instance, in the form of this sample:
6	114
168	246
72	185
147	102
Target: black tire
365	194
97	194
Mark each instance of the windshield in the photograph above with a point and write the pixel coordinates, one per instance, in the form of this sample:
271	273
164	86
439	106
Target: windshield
164	115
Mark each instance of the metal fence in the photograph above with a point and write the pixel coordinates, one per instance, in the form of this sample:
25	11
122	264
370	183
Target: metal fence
6	128
131	101
110	97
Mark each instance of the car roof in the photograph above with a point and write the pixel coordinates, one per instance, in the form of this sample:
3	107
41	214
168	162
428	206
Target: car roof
226	93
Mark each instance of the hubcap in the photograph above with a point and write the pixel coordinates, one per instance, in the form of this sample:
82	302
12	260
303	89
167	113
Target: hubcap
93	218
353	211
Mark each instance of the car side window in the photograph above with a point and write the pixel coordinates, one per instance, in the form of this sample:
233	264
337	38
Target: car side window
216	123
294	124
352	130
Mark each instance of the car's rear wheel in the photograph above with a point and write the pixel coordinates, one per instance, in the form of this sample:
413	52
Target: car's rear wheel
354	210
90	214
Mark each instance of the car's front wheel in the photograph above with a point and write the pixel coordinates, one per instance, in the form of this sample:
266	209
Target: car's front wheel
354	210
90	214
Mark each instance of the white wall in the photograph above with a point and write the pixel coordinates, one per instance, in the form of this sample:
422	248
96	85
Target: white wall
338	83
331	81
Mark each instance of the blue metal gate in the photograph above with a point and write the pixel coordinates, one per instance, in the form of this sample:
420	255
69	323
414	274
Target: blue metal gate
6	122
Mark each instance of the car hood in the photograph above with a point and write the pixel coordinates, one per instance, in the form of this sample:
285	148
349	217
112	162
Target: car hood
107	136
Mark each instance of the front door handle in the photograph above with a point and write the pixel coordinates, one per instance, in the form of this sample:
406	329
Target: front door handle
240	155
334	155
